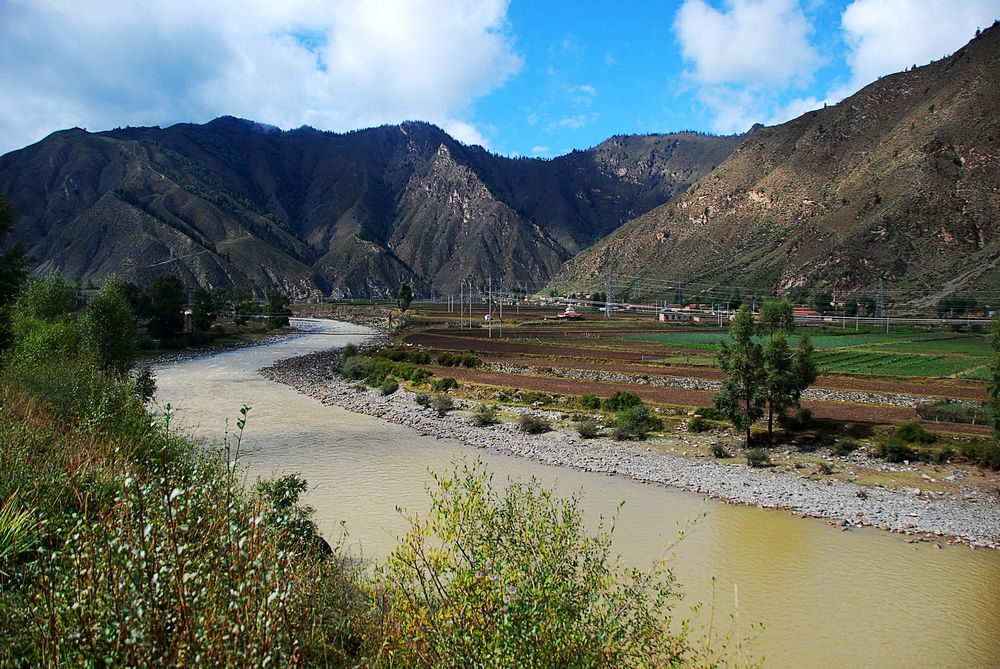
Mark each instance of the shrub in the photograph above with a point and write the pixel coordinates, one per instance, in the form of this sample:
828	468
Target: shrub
897	451
621	400
696	424
423	399
710	413
350	351
825	469
914	433
719	451
484	415
356	367
389	386
758	457
443	385
532	424
590	401
532	397
469	360
519	583
844	446
588	428
635	422
442	404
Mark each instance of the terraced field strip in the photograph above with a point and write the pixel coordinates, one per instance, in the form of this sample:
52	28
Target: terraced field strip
855	413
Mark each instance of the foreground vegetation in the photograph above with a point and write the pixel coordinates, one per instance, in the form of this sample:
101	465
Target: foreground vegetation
124	544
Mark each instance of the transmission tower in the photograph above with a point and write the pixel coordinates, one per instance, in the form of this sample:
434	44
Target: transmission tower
880	300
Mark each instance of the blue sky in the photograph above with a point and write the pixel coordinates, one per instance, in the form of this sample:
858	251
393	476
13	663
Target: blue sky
523	77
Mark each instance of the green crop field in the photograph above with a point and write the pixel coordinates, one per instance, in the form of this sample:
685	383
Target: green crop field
910	353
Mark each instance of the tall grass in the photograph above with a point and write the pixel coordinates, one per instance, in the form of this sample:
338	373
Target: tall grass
137	547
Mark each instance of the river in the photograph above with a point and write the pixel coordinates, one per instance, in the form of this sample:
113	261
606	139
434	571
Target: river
826	598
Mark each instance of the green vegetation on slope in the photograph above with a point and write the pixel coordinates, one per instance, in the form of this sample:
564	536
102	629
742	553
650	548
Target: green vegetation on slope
124	544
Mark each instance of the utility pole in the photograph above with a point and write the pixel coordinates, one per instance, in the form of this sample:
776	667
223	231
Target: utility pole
607	294
489	305
880	304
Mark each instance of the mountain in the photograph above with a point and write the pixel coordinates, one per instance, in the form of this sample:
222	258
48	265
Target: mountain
234	202
899	182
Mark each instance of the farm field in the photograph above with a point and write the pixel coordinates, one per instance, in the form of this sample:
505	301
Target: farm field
910	353
941	366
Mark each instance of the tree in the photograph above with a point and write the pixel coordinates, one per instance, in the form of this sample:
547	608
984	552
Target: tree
780	381
742	359
108	328
13	268
276	310
40	322
166	304
404	295
993	386
203	309
822	301
776	316
245	306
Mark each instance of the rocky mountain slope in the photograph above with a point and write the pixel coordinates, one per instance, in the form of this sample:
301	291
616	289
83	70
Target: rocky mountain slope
900	181
233	202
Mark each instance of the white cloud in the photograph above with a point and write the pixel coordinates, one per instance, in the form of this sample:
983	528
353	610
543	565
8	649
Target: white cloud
886	36
744	56
587	89
539	150
335	65
573	122
749	42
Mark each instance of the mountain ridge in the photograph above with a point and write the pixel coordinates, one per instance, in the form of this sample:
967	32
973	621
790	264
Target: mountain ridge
899	182
235	202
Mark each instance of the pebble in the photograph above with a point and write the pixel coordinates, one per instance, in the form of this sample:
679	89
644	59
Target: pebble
899	511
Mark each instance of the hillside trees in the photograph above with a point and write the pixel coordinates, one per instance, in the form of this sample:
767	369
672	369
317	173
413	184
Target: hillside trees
166	307
404	296
742	359
13	264
776	316
760	378
276	310
204	309
108	328
993	386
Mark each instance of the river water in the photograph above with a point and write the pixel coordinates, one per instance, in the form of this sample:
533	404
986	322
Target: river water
826	598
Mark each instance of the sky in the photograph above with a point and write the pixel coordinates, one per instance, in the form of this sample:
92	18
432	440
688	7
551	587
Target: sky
524	77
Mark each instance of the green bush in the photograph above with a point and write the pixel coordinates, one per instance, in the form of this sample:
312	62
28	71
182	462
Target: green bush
589	401
532	397
350	351
519	583
897	451
532	424
719	451
758	457
356	367
710	413
484	415
634	422
389	386
443	385
442	404
469	360
697	424
986	453
844	446
588	428
423	399
914	433
621	400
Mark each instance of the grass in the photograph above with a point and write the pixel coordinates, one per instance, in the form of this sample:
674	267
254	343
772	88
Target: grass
911	353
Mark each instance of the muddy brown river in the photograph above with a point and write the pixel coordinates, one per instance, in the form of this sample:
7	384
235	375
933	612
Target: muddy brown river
826	598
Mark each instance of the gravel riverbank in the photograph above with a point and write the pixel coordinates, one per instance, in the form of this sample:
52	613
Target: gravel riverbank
974	520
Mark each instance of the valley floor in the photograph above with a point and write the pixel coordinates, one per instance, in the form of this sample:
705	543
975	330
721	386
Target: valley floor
947	503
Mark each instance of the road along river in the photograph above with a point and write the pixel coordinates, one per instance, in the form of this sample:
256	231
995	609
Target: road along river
827	598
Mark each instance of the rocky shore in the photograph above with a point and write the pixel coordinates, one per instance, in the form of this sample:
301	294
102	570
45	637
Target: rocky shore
973	519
